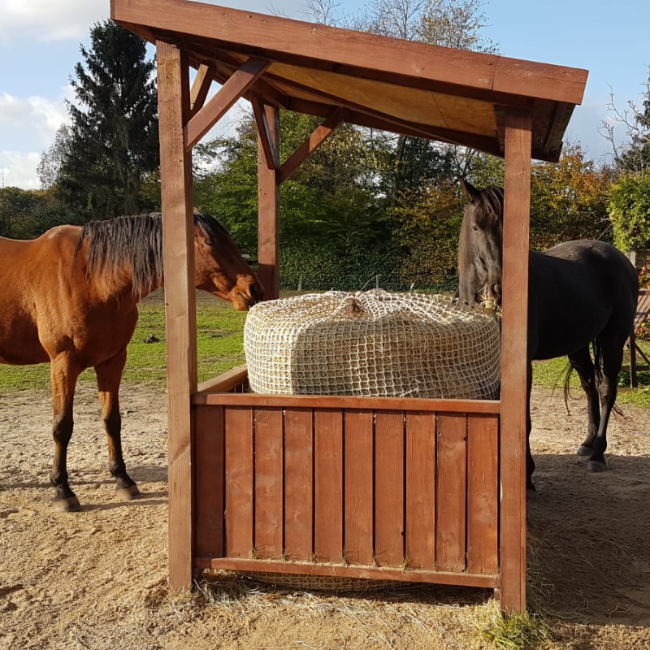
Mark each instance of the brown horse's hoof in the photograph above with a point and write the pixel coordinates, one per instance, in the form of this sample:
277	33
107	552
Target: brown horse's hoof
71	504
585	451
596	466
129	493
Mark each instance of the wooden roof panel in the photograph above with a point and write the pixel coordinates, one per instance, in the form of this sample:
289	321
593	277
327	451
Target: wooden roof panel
406	87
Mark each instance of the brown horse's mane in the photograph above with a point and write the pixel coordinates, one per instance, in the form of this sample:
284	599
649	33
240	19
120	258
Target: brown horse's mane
134	244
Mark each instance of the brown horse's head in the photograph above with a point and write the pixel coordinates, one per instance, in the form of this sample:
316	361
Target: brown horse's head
220	267
480	249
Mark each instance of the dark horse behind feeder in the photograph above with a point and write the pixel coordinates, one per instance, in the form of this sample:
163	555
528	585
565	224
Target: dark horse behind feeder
580	294
70	298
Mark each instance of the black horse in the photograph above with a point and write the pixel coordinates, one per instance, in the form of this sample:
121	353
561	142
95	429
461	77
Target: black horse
580	293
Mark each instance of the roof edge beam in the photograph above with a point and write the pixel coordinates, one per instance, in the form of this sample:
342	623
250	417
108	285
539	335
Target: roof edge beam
219	105
312	143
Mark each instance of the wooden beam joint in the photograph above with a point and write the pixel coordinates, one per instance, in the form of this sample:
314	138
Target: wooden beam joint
218	106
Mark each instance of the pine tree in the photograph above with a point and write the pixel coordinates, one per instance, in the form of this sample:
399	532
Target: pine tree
114	126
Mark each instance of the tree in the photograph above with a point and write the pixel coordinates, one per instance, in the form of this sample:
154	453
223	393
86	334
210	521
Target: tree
114	126
629	209
49	166
633	154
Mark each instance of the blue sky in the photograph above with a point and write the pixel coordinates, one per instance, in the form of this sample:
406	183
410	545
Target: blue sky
40	39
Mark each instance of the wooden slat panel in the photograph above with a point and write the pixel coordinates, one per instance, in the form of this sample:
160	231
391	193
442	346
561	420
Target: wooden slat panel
452	492
420	490
363	403
269	515
483	494
338	570
328	481
389	488
359	505
514	369
239	482
209	462
299	484
180	310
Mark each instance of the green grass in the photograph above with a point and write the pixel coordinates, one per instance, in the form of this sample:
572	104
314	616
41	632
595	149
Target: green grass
219	344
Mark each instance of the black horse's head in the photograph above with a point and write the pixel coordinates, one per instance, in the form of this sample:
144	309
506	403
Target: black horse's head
480	249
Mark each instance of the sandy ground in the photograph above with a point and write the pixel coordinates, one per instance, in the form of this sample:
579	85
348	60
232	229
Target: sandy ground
97	579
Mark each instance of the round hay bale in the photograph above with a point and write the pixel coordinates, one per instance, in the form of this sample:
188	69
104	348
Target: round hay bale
373	343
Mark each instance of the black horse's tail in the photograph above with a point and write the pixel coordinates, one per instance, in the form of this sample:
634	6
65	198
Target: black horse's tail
598	371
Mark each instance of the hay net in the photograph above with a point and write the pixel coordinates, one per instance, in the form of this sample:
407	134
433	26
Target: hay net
373	343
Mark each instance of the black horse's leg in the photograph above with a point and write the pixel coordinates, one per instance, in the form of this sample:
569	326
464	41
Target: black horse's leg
64	375
612	356
584	366
530	463
109	376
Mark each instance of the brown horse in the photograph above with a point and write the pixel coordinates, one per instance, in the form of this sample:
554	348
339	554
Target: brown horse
70	298
580	294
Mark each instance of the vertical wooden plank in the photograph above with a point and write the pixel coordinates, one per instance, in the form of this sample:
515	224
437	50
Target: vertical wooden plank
239	481
359	504
268	248
328	484
452	492
514	359
209	462
421	490
389	488
298	484
269	516
483	496
178	238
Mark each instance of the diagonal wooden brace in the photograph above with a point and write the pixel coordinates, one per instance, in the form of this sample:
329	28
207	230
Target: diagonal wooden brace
269	144
312	143
229	93
200	89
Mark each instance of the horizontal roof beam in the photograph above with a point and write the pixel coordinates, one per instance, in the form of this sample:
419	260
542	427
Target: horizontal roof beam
274	37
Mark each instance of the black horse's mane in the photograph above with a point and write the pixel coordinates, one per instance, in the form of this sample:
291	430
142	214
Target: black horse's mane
492	202
137	242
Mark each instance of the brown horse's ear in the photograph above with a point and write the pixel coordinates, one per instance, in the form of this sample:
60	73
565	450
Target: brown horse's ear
471	192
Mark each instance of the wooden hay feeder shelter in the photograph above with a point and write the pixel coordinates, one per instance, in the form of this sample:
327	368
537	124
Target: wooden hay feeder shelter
419	490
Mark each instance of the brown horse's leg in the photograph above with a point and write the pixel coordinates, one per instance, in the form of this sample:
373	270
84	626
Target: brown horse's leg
584	366
109	376
64	375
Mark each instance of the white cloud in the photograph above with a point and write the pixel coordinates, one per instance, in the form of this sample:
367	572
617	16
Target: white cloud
37	117
19	169
50	20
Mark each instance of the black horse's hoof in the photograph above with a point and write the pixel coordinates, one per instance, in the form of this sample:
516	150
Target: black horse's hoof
129	493
585	451
70	504
596	466
531	494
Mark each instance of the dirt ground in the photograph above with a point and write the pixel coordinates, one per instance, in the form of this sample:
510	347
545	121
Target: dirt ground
96	579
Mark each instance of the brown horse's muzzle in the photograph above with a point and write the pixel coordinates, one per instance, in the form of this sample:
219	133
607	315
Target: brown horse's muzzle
243	297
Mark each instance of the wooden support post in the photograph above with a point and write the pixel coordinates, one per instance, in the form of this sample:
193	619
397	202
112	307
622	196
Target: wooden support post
180	299
268	250
514	365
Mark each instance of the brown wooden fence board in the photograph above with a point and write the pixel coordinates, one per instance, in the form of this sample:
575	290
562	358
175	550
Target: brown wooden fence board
482	502
359	502
452	492
420	490
239	482
389	488
269	499
210	503
328	485
299	484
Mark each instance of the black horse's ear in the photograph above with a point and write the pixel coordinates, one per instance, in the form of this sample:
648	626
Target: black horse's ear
471	192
